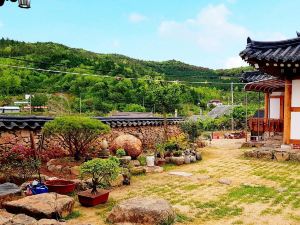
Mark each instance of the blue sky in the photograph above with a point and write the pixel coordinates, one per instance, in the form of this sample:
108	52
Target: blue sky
200	32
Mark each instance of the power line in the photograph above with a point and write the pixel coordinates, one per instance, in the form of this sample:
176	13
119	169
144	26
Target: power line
107	76
213	76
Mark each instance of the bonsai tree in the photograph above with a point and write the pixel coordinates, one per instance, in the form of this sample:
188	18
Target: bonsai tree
102	171
75	133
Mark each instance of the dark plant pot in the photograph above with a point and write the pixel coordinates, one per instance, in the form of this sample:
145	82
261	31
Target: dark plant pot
60	186
86	198
160	162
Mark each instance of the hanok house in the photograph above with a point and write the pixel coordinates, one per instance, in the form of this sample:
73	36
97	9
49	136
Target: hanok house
278	77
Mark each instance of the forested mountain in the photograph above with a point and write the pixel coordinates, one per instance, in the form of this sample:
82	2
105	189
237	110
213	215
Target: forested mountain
104	82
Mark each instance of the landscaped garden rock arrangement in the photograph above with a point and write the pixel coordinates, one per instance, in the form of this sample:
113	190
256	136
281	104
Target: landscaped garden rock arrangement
131	144
143	211
274	154
48	205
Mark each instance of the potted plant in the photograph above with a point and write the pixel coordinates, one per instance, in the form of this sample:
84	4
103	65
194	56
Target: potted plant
160	154
102	172
121	154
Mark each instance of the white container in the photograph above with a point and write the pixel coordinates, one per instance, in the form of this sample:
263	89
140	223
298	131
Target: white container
150	160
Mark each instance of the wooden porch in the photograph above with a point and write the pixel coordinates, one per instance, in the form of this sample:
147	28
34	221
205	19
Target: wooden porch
262	125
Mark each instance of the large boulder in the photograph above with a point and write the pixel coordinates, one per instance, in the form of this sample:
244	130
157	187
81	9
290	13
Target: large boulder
48	205
142	211
131	144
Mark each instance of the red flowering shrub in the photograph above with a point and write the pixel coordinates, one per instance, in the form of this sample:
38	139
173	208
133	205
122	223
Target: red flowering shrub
20	162
52	153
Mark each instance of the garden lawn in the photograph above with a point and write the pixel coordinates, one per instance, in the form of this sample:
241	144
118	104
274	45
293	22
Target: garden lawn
261	192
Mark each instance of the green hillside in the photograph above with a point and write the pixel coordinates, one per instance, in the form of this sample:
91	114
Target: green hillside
104	82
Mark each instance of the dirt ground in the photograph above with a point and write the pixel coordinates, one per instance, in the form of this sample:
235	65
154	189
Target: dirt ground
260	192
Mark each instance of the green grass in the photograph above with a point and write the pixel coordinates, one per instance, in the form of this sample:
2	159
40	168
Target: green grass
251	194
182	218
190	187
168	167
73	215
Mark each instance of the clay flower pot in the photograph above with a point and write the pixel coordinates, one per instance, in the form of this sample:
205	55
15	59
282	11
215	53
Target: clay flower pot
60	186
160	162
86	198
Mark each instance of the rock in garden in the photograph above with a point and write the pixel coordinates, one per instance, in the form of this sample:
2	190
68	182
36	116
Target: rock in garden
154	169
131	144
22	219
181	174
75	170
265	154
5	217
177	160
137	170
142	211
282	156
48	205
9	189
118	181
224	181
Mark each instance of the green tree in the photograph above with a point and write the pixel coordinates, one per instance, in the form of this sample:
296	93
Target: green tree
134	108
76	133
39	100
166	98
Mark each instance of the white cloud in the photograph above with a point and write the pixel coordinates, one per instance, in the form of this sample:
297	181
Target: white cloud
136	17
233	62
210	29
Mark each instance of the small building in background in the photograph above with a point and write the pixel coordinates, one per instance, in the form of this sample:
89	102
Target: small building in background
214	102
9	109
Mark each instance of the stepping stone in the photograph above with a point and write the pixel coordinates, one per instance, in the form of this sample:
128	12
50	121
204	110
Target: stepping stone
9	189
224	181
181	174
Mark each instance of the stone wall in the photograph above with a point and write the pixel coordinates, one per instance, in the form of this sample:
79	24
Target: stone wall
149	135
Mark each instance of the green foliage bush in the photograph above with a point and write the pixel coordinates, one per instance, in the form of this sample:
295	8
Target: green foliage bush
75	132
120	153
102	171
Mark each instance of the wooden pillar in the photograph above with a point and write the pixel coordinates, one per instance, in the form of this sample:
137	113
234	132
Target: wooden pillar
267	106
287	112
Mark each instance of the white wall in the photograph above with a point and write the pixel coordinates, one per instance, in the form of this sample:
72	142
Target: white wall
296	93
295	126
274	108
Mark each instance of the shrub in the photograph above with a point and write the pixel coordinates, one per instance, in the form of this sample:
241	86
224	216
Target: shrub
20	161
102	171
191	128
142	160
178	153
75	133
120	153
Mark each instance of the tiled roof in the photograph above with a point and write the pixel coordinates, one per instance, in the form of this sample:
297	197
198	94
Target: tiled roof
37	122
278	51
258	81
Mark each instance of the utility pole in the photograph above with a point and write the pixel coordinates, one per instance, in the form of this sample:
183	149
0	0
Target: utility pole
232	101
30	103
80	104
